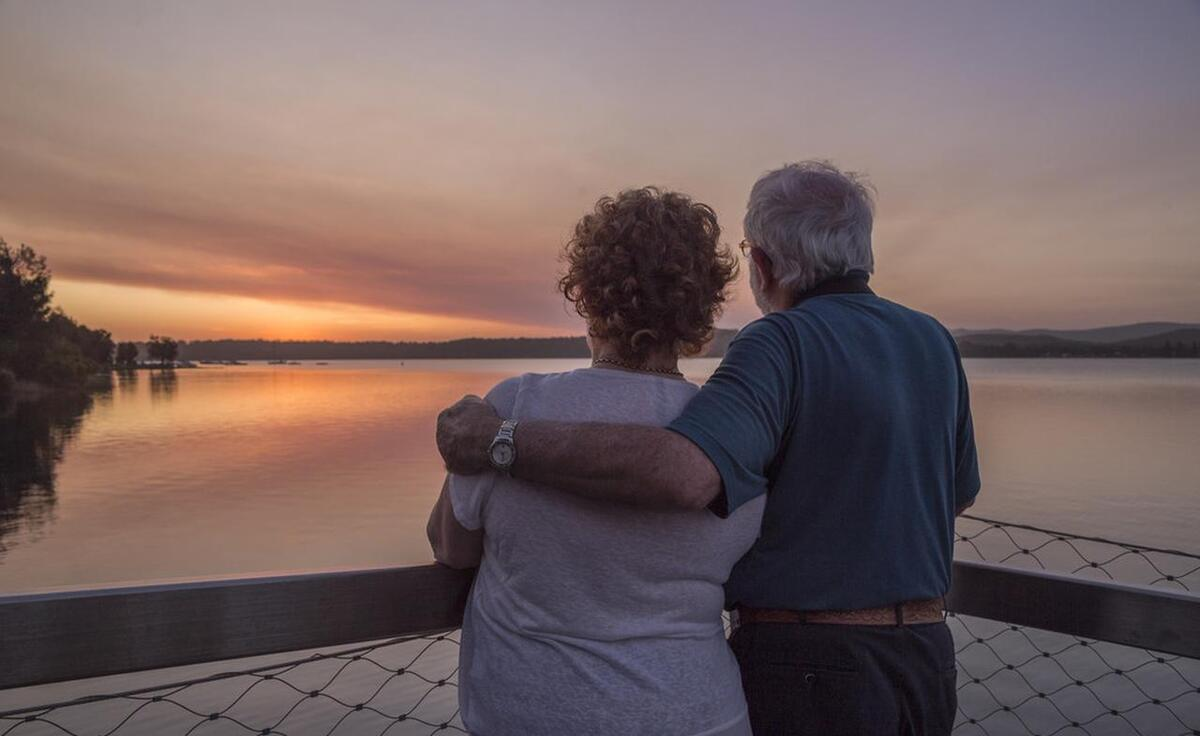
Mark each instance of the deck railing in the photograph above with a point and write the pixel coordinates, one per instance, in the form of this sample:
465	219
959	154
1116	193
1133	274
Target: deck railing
1055	633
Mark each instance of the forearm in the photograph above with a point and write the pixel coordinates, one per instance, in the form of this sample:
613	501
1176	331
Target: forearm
452	544
625	463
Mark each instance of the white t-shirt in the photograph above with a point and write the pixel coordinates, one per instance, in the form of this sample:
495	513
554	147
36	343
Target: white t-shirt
589	617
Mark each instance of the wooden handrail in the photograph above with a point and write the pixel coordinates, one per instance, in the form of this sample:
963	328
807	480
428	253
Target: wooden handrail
51	637
1163	620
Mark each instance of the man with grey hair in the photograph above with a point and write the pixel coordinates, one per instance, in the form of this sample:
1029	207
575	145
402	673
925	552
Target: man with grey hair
850	413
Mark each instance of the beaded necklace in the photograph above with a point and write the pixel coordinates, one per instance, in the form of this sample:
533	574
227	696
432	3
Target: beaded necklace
640	368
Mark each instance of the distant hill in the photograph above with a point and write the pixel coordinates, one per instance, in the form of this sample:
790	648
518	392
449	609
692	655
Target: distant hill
1015	338
1145	340
1177	343
1119	333
1019	345
1116	333
469	348
1185	336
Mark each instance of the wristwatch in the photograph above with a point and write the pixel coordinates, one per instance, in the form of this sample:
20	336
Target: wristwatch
503	451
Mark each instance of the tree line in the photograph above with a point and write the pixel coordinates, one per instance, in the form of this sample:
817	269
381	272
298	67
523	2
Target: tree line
466	348
1166	347
41	344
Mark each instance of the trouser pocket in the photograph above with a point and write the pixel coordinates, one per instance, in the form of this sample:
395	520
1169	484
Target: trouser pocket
794	689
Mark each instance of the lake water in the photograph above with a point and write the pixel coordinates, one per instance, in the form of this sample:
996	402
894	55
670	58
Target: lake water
259	468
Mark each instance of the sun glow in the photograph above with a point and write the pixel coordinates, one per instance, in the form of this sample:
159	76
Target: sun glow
131	313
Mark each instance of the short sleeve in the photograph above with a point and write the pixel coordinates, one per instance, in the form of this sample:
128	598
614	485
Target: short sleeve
469	493
966	459
740	416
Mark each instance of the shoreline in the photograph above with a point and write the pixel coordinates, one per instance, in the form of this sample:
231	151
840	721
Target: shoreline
315	361
24	390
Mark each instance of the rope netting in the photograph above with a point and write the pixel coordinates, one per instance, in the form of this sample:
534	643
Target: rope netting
400	687
1018	680
1012	679
1020	545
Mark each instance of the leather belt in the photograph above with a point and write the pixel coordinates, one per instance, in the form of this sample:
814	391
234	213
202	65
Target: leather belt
911	612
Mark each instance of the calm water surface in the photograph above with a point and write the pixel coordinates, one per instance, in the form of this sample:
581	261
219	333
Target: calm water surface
248	469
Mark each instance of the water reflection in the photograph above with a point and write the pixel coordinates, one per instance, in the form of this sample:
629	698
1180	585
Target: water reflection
33	436
258	468
126	381
163	384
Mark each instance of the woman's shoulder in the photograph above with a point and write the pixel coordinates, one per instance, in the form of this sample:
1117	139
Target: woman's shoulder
600	377
503	396
601	395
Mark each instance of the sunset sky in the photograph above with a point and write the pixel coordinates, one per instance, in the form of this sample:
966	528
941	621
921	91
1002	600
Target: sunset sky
389	170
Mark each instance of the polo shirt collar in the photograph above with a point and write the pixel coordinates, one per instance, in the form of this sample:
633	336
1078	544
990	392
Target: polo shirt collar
852	282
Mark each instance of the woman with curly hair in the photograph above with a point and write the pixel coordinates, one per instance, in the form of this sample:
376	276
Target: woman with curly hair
585	617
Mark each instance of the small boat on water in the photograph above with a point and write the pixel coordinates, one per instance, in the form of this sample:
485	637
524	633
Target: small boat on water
277	362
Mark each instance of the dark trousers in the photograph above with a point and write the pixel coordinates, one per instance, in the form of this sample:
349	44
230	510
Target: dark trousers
835	680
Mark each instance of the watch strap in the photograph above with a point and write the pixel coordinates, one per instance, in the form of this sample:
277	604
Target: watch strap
505	435
507	430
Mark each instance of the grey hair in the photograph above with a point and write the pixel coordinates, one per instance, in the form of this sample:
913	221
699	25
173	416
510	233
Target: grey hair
813	221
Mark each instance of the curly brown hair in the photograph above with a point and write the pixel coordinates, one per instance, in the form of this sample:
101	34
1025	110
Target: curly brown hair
646	269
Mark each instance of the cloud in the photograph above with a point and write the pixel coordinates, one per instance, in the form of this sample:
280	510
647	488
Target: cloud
431	160
109	229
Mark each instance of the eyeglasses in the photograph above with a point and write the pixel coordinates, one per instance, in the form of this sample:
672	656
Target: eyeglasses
746	246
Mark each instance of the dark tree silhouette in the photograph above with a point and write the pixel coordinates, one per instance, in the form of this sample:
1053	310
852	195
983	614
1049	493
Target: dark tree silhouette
163	349
38	343
127	354
24	290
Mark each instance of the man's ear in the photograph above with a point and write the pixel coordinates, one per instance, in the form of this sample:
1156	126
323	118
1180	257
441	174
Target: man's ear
766	269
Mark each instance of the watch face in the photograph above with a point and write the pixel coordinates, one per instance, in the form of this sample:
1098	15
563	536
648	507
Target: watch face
502	454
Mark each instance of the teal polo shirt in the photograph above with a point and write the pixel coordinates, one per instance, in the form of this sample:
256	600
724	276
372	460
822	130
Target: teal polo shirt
851	413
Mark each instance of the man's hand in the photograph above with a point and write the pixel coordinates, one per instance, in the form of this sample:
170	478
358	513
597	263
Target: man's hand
464	433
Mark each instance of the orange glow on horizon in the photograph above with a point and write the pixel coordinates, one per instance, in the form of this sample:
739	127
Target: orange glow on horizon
133	313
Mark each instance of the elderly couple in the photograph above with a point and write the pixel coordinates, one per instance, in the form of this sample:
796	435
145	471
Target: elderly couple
810	487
